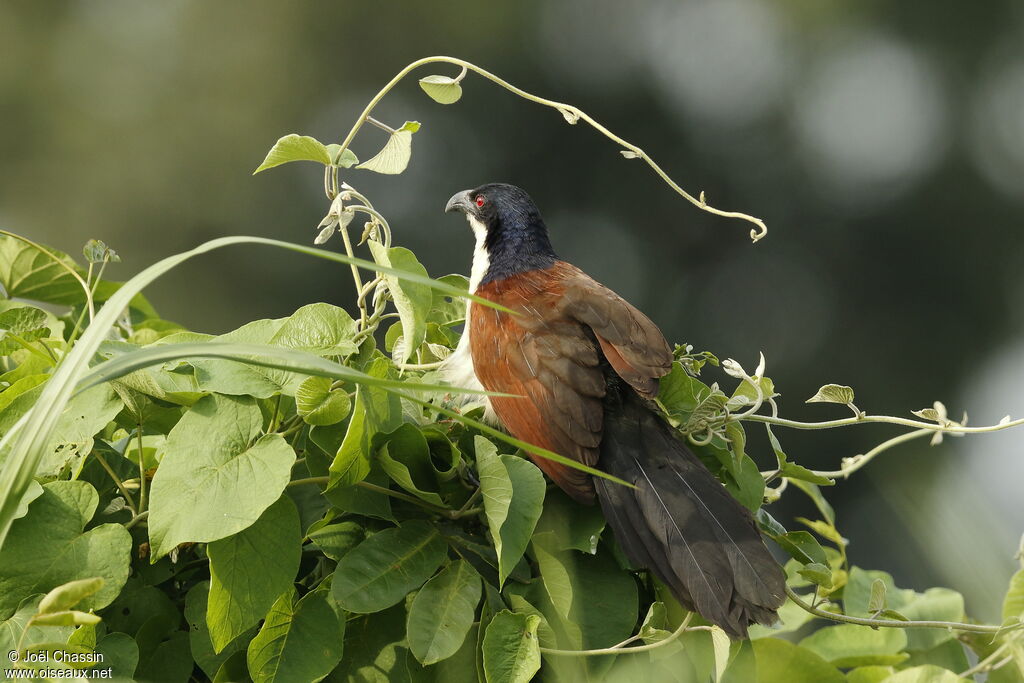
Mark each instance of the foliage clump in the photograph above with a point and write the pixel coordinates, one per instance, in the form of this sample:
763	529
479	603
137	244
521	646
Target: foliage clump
300	498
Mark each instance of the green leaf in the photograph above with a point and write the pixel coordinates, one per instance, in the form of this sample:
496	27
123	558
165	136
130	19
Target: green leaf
595	602
28	322
1013	603
817	574
26	272
169	661
511	650
574	526
850	645
803	547
381	570
394	156
46	548
513	493
250	570
442	613
335	540
71	439
295	147
442	89
375	411
217	475
869	674
319	328
235	668
318	405
928	673
196	605
299	641
406	459
935	604
68	595
120	654
412	300
13	628
747	484
781	662
833	393
814	493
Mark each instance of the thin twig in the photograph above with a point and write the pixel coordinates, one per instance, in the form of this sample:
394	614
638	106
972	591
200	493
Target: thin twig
621	650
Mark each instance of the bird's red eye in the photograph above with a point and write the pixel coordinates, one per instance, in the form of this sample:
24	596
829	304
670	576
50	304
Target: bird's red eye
480	201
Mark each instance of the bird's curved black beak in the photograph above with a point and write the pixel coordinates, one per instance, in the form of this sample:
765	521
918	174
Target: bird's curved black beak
460	201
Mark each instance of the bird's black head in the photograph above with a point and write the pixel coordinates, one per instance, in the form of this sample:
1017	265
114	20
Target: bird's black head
510	233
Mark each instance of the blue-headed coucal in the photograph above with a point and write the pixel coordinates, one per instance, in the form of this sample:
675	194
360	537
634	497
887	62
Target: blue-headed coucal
583	365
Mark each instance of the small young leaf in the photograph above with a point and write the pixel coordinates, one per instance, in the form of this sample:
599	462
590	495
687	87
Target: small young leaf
70	594
346	159
96	251
876	603
442	89
833	393
318	405
325	234
394	156
570	116
817	574
295	147
67	618
720	642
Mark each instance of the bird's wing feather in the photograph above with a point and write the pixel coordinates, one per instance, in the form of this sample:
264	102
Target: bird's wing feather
633	345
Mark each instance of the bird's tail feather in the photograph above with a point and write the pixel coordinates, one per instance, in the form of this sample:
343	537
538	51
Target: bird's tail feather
681	523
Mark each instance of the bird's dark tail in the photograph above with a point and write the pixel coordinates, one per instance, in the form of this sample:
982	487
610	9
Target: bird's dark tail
681	523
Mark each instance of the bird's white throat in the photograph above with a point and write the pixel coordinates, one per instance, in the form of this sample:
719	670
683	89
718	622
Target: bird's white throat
458	368
481	260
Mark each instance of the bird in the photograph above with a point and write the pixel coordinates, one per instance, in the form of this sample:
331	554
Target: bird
579	368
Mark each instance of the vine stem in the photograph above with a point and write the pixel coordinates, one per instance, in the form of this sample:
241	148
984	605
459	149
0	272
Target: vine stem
859	461
621	648
571	114
117	481
450	514
884	419
896	623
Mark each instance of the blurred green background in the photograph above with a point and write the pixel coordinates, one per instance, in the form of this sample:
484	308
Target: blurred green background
882	142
